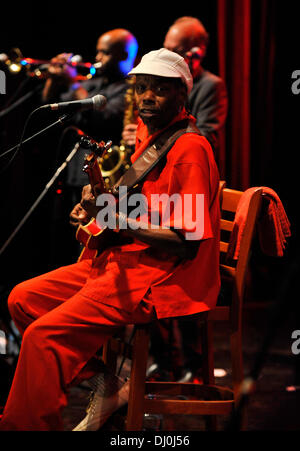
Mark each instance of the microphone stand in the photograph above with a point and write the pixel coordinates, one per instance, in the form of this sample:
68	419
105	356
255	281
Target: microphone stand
48	185
41	196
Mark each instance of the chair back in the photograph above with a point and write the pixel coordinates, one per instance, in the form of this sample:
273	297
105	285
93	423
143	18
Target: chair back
232	270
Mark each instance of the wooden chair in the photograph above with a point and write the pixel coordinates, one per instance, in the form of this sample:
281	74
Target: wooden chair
205	399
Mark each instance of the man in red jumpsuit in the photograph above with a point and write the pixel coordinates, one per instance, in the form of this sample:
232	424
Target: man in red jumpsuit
66	315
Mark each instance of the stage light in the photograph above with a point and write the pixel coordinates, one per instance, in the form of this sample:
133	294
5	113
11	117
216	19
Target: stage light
14	67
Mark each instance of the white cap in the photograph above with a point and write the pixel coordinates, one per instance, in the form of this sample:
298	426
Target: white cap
164	63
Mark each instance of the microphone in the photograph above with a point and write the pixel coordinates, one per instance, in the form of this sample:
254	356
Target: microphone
195	53
96	103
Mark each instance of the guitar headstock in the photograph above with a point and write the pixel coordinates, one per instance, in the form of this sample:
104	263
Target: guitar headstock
97	148
91	165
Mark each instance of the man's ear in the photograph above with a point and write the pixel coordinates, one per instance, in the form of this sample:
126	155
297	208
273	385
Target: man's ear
124	55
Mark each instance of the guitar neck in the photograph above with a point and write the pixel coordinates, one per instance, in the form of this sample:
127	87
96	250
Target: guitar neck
94	174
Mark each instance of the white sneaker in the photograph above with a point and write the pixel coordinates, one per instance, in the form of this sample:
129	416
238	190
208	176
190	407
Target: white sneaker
110	393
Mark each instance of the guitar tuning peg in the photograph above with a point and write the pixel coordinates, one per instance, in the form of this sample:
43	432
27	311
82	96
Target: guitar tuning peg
85	142
108	145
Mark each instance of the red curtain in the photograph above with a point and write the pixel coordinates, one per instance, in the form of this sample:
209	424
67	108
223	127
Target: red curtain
248	60
234	47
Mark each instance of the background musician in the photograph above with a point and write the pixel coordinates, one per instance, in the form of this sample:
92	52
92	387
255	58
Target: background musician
116	52
207	101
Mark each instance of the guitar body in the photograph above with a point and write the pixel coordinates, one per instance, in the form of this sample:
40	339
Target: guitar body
94	239
88	236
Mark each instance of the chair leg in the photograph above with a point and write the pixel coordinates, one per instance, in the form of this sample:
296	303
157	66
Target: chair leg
135	413
238	372
237	360
208	366
207	353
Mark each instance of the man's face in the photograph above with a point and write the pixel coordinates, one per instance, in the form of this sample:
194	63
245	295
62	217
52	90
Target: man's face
158	100
179	39
109	53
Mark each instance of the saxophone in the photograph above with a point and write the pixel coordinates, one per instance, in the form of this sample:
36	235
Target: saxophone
117	159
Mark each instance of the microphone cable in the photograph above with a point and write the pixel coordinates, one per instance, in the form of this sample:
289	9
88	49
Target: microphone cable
18	147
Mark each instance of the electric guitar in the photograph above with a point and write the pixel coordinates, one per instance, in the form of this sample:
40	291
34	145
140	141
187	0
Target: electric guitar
90	235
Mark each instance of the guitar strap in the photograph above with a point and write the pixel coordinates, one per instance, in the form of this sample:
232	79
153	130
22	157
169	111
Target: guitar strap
153	154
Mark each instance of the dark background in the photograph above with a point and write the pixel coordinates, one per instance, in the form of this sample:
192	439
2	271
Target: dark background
41	30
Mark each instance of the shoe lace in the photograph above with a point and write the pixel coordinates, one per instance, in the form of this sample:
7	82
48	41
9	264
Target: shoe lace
105	385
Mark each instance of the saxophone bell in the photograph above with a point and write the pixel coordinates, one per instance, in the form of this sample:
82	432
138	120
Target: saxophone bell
114	163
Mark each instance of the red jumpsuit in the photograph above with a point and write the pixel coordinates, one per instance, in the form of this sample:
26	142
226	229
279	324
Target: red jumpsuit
66	315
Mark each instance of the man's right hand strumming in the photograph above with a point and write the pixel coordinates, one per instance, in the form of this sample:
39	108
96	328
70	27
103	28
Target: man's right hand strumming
79	216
